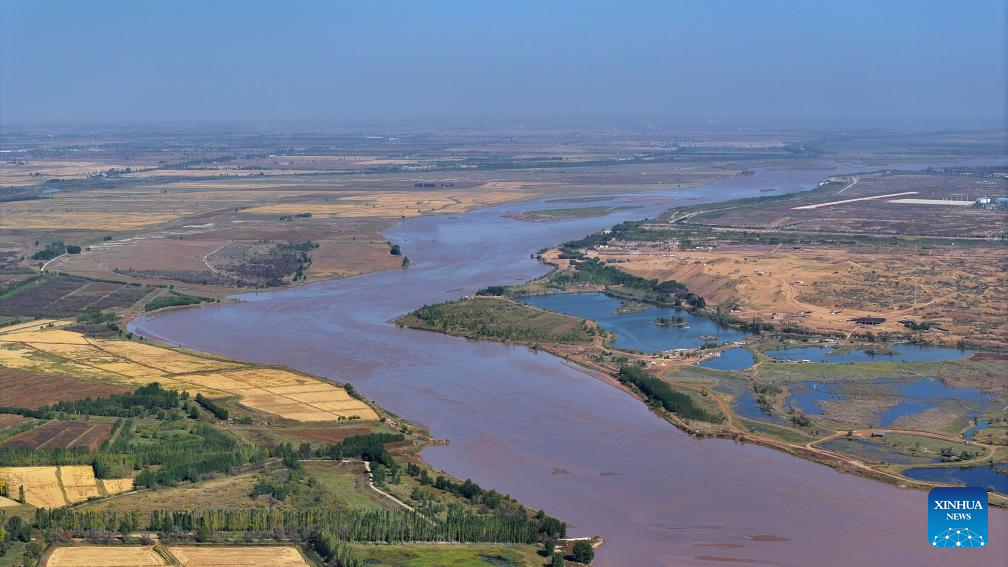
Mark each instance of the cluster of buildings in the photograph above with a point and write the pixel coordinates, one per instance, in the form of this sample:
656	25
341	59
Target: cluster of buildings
992	202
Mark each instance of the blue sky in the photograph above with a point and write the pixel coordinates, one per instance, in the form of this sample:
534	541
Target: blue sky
259	62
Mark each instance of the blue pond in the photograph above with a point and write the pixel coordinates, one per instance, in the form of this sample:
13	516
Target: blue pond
812	392
636	330
730	359
904	353
972	431
982	476
914	397
745	406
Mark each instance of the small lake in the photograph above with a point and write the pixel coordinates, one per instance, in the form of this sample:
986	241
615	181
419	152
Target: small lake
812	392
982	476
914	397
636	330
972	431
904	353
745	406
730	359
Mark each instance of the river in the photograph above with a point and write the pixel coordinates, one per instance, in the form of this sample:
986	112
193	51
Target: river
550	435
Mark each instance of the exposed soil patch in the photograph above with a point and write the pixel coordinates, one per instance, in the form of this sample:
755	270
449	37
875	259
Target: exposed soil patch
311	435
62	434
31	390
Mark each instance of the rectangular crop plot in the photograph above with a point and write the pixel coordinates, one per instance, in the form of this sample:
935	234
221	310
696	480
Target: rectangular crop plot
104	556
37	300
123	297
67	296
54	487
217	556
62	434
31	390
186	556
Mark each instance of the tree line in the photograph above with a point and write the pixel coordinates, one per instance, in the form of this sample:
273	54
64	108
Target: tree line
213	407
594	271
659	392
145	400
345	525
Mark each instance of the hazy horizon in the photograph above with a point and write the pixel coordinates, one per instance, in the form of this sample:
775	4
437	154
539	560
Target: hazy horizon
847	64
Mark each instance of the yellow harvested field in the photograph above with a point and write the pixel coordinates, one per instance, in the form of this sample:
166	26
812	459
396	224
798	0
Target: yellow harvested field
269	377
104	556
41	485
186	556
207	556
53	487
280	392
116	485
24	357
97	220
48	336
29	325
79	482
396	203
170	361
8	503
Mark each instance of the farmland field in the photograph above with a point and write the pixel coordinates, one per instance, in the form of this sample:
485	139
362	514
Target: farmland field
55	486
219	556
103	556
183	556
62	434
283	393
46	389
9	421
66	296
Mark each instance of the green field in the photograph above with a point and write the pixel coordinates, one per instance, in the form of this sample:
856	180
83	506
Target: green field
479	555
344	484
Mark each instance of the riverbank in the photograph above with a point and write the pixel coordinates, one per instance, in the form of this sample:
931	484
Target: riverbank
605	363
529	425
254	439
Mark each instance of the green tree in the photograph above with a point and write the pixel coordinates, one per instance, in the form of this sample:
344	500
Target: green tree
583	552
18	529
549	545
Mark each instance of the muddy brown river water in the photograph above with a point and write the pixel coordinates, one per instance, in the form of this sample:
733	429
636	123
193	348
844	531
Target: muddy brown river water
555	438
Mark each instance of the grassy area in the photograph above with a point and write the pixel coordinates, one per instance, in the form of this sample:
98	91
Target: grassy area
450	555
570	213
993	435
500	319
783	433
173	299
13	556
343	484
923	445
232	491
